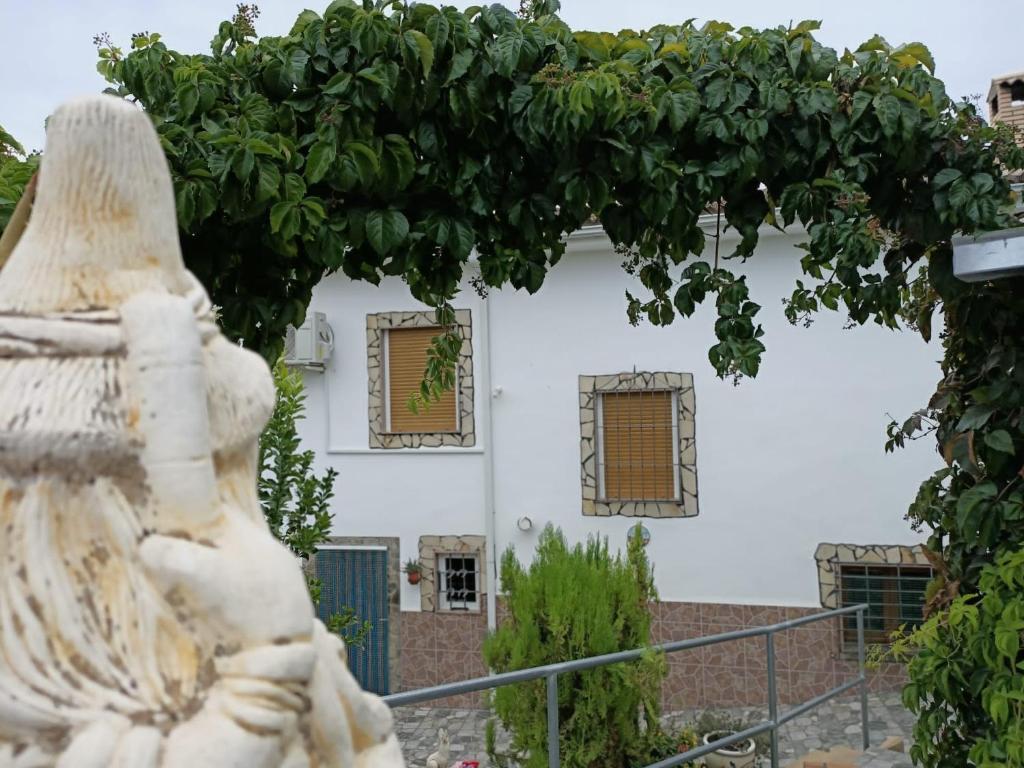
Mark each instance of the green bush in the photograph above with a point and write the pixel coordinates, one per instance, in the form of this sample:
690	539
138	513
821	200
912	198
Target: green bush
967	686
293	497
571	603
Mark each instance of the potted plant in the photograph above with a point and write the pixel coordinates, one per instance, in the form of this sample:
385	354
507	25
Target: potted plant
741	754
413	570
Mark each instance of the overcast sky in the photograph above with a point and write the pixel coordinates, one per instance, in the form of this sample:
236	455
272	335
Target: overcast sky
49	56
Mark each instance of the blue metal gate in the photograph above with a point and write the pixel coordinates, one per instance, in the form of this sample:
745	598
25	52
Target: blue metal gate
358	578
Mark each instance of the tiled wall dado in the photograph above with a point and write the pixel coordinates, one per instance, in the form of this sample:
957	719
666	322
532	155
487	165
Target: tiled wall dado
441	648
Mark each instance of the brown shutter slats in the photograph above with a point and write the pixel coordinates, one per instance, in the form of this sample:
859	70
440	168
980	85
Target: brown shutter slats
407	360
639	450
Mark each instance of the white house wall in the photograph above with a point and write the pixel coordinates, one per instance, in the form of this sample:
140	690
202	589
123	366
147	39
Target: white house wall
784	461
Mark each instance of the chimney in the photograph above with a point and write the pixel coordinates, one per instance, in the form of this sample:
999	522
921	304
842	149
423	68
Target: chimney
1006	100
1006	106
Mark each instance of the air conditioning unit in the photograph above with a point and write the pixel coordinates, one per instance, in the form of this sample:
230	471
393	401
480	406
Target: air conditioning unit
989	256
309	345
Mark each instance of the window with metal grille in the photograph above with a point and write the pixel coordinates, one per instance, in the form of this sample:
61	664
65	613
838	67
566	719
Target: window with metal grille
895	598
638	443
407	350
458	579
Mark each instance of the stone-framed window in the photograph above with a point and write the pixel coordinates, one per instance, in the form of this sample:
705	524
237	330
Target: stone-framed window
441	552
637	445
463	433
891	579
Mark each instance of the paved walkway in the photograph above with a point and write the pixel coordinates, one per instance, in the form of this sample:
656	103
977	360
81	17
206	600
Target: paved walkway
834	724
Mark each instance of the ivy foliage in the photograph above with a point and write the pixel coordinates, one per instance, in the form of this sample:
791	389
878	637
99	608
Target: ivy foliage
295	500
572	603
16	169
965	665
383	138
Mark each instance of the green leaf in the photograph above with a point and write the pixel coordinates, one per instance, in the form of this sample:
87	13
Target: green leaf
338	84
188	99
185	204
277	214
399	161
876	43
243	163
437	30
508	47
6	140
318	163
945	177
461	62
594	45
975	417
420	48
887	108
1000	440
294	187
680	107
269	181
386	229
297	62
1008	642
717	92
860	102
917	53
460	239
970	505
521	96
365	160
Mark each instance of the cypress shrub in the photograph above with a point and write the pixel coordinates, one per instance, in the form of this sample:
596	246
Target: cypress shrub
571	603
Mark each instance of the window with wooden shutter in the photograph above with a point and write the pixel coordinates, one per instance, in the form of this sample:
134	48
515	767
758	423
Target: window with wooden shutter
407	351
638	446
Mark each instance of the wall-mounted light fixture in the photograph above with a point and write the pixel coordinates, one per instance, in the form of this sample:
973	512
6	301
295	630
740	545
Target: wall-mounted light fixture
645	535
524	523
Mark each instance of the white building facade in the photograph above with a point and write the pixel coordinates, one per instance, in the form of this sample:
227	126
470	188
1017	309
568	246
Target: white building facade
763	501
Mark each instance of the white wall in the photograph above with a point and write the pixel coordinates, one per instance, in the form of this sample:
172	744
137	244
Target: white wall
784	461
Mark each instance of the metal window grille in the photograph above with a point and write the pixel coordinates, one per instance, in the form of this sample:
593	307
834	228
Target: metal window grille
458	582
894	595
638	445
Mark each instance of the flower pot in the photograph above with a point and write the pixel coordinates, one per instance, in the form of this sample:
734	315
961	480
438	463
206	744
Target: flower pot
414	577
739	755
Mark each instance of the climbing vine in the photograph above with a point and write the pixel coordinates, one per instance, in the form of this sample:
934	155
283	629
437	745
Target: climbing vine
16	169
386	139
379	138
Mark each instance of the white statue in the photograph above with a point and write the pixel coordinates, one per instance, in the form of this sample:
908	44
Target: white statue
148	619
439	759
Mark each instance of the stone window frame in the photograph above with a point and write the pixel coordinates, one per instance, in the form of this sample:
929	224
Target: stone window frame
830	556
430	547
377	326
590	388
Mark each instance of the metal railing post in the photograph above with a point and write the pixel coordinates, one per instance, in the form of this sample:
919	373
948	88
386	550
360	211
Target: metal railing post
554	760
865	736
773	702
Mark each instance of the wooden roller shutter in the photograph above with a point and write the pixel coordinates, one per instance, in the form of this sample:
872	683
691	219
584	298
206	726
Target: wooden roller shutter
407	360
638	446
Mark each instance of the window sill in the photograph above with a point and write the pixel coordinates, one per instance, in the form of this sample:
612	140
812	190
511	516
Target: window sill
340	450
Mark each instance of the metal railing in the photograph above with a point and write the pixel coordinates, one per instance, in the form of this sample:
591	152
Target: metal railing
550	673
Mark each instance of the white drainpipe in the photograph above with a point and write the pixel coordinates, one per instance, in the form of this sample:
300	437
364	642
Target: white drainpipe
486	395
